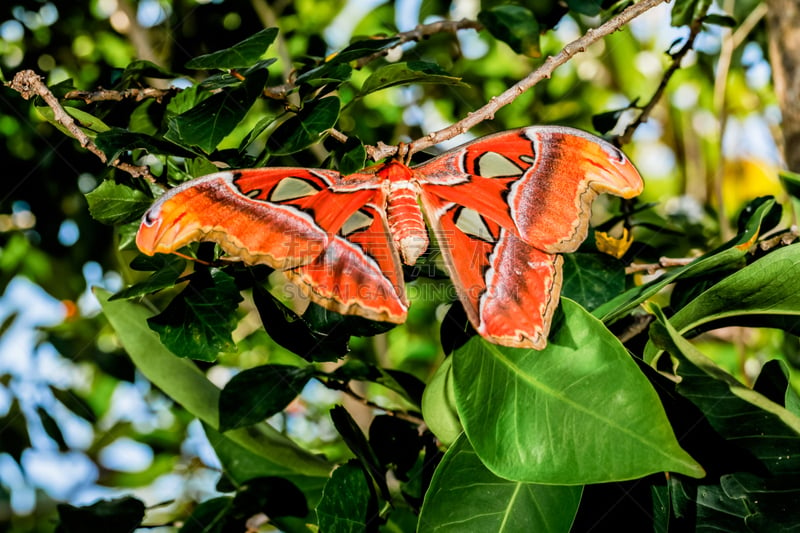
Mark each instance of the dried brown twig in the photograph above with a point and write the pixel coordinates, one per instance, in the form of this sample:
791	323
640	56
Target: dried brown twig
488	111
108	95
29	84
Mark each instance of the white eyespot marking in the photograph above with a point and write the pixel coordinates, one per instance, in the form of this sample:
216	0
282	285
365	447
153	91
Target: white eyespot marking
471	223
357	221
291	189
530	159
493	165
253	194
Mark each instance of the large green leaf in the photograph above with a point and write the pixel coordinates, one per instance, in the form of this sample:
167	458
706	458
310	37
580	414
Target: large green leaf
404	73
577	412
122	514
210	121
514	25
346	501
241	55
765	293
306	127
734	410
255	394
199	321
113	203
465	496
592	278
185	383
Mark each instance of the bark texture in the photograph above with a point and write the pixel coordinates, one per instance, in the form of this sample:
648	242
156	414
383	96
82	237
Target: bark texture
783	19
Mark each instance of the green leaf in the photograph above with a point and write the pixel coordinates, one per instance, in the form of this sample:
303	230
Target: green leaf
116	141
685	11
396	443
465	496
730	253
122	514
112	203
52	429
273	496
791	182
306	128
346	501
258	393
405	73
439	404
140	69
351	156
577	412
773	382
211	516
586	7
185	383
88	124
514	25
242	54
210	121
592	279
294	333
167	274
736	419
765	293
241	464
357	442
717	19
199	321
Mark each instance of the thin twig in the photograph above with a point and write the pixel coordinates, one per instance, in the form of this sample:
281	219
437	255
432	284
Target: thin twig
29	84
663	262
677	58
421	32
108	95
544	71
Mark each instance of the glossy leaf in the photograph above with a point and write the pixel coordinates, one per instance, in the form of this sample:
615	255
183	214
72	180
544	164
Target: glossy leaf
765	293
357	442
273	496
305	128
465	496
735	411
211	516
210	121
439	405
117	141
346	501
592	279
685	11
603	420
199	321
258	393
294	333
171	269
514	25
113	203
185	383
88	124
242	54
586	7
122	514
407	72
726	255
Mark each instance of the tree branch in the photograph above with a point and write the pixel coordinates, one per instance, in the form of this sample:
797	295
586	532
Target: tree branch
421	32
108	95
29	84
544	71
644	114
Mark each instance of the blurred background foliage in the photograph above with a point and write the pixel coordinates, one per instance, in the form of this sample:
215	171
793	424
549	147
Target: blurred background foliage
77	422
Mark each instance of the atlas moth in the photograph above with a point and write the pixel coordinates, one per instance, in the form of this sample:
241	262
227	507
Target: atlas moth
501	209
